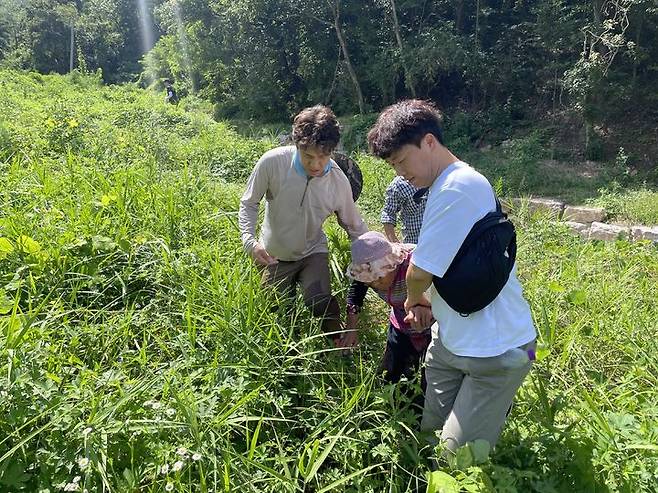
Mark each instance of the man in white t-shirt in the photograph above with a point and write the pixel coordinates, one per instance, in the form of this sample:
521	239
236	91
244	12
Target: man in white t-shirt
473	368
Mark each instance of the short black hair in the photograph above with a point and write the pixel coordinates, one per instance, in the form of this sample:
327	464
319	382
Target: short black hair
402	123
316	126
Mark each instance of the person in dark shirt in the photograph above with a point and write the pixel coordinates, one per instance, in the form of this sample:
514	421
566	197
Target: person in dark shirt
171	96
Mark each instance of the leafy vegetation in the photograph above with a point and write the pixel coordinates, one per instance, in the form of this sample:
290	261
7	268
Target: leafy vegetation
138	352
635	206
583	71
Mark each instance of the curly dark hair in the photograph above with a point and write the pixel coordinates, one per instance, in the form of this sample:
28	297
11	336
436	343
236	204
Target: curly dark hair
406	122
316	126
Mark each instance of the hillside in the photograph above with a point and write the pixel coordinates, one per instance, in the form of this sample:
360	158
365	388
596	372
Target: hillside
138	352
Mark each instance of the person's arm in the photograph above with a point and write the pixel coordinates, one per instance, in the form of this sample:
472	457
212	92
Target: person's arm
390	212
348	215
248	214
389	232
355	297
417	306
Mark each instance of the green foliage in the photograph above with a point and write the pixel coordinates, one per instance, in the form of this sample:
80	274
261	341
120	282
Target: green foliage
138	352
35	35
377	174
637	206
573	66
355	130
620	170
462	130
576	299
594	149
523	156
74	119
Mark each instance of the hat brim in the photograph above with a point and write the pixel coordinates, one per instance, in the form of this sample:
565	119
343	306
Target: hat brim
371	271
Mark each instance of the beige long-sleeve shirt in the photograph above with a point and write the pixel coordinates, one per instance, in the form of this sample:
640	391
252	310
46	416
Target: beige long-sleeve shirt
296	207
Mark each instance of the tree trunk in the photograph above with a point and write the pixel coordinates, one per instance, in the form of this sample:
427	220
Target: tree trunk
396	28
346	55
477	44
459	15
72	42
477	22
637	44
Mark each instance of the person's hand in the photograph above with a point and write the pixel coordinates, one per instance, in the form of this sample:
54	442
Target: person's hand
411	302
348	339
261	257
389	232
419	317
419	312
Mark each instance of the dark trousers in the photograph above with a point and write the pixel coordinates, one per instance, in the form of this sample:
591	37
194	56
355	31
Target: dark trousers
402	358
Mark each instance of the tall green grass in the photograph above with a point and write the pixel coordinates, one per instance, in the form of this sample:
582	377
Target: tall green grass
138	352
636	205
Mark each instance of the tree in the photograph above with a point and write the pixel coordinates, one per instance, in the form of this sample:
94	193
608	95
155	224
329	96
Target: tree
398	38
328	12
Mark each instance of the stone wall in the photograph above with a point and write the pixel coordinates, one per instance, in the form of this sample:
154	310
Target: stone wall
587	222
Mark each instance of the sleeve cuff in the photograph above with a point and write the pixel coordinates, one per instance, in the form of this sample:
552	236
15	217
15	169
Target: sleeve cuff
249	244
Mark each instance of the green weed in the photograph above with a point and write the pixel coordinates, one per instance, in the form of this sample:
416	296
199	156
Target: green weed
139	353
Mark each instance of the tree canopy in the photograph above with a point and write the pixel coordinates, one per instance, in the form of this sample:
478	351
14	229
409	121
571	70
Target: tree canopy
265	59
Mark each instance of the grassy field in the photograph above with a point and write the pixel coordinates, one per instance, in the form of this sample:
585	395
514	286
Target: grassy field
138	353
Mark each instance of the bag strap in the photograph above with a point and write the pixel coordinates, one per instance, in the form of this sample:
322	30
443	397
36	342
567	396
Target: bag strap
491	219
419	194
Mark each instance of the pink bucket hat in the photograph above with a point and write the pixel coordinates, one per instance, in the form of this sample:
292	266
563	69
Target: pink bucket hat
373	256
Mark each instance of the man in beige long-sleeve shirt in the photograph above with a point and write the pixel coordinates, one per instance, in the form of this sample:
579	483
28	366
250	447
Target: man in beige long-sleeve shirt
303	186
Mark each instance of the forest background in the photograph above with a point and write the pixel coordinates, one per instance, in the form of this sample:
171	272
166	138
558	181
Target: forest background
137	350
582	73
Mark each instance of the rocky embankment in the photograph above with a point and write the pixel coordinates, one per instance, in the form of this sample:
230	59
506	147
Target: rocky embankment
588	222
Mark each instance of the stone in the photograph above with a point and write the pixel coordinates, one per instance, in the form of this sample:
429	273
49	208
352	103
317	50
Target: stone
584	214
579	228
645	233
607	232
552	208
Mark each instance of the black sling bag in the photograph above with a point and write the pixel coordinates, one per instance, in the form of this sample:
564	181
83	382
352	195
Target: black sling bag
482	265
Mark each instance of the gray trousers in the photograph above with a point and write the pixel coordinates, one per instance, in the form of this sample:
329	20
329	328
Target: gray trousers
467	398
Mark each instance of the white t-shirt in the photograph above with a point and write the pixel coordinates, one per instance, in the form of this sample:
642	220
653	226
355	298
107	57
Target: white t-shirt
458	198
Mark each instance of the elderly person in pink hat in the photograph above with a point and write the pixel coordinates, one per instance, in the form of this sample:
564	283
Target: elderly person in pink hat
382	266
